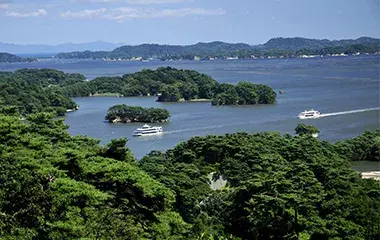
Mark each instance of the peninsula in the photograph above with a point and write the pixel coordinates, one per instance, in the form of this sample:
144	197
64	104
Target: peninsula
37	90
174	85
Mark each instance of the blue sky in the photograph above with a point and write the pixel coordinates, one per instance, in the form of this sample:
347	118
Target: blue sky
184	21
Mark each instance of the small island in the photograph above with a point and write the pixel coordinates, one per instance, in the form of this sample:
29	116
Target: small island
244	93
174	85
125	114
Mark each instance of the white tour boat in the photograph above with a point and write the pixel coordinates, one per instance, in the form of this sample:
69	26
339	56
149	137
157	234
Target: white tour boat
309	114
147	130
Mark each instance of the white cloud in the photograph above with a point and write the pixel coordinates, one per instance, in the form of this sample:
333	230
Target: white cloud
84	13
4	6
38	13
123	13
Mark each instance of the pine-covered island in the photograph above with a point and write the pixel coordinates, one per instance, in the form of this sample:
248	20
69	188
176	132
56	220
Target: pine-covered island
126	114
174	85
49	90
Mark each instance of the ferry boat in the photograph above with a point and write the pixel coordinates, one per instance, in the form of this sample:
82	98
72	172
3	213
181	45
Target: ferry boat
309	114
147	130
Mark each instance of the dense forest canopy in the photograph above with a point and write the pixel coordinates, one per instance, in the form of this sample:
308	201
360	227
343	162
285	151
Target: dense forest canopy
37	90
366	147
243	93
125	114
173	85
10	58
57	186
275	47
279	187
303	129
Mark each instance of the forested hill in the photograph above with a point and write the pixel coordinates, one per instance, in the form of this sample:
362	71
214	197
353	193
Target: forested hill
286	47
49	90
37	90
298	43
159	51
10	58
174	85
57	186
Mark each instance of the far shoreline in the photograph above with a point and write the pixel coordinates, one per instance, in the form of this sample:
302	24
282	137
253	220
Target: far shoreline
122	96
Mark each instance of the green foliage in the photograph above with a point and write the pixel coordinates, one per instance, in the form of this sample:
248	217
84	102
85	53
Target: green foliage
169	94
124	113
275	47
278	188
10	58
365	147
243	93
298	43
37	90
55	186
117	150
303	129
168	83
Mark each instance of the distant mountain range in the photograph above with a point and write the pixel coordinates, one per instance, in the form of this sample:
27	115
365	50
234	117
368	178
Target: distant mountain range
274	47
65	47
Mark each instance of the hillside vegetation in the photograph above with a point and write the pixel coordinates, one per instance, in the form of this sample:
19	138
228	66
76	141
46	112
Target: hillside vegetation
10	58
57	186
173	85
275	47
125	114
37	90
48	90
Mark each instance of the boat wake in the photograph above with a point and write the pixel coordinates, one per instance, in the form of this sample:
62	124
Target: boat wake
348	112
252	122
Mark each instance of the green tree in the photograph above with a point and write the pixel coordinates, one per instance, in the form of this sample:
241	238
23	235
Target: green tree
169	94
303	129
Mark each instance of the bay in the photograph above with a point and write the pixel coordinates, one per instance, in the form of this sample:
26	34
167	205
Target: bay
334	84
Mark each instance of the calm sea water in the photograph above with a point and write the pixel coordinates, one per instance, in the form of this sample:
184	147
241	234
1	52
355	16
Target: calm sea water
329	85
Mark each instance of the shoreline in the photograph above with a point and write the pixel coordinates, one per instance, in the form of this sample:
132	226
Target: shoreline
121	96
198	100
105	95
232	59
